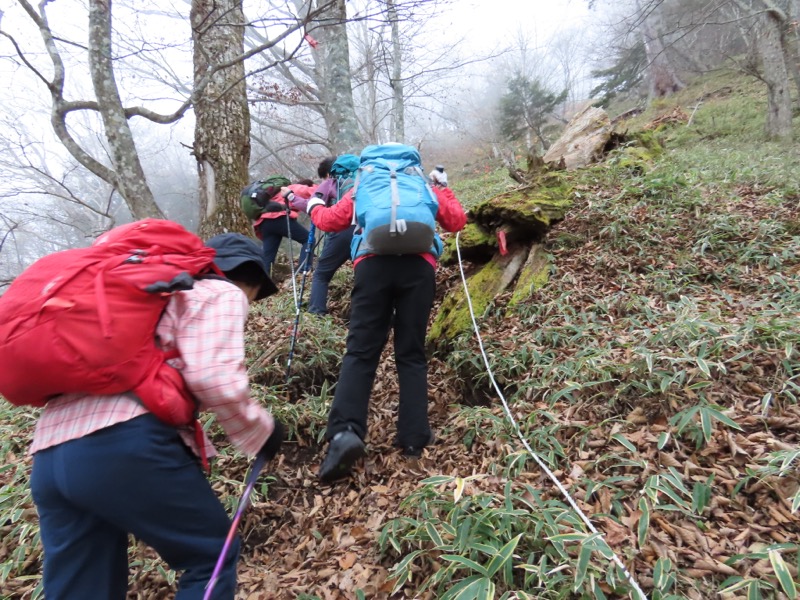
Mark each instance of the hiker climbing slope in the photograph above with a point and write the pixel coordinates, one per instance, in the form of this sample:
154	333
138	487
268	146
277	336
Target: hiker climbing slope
274	218
105	466
336	251
394	253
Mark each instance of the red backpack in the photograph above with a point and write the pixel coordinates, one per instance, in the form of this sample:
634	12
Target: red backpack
84	320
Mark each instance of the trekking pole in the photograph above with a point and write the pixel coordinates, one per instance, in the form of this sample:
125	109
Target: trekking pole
308	262
287	198
306	266
311	247
244	501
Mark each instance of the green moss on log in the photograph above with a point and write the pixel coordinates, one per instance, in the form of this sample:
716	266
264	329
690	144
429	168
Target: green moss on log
533	276
453	317
649	140
475	244
527	213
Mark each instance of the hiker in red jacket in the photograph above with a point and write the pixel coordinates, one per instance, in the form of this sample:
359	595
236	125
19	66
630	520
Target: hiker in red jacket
390	291
279	221
105	467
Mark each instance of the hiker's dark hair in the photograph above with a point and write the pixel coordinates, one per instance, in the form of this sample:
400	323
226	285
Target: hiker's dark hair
249	273
324	168
307	182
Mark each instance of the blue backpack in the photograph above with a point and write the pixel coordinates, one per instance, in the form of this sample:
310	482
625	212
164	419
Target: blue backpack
395	208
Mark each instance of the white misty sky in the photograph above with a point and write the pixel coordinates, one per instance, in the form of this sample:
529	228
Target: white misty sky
491	23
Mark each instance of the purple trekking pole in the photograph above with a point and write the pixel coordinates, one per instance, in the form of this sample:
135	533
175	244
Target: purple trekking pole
244	501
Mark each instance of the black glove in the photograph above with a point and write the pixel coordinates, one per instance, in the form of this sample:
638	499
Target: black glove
273	443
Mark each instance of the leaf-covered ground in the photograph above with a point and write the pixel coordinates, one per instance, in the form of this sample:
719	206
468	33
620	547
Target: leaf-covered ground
638	326
711	337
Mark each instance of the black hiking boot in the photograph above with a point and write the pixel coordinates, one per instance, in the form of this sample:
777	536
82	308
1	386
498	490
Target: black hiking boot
415	451
343	451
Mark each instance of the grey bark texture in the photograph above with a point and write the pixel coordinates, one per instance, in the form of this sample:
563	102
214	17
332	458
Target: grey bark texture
130	179
222	127
662	75
336	85
790	40
775	74
396	81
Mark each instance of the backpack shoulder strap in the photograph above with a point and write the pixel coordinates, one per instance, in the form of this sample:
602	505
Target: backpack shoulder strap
428	187
354	221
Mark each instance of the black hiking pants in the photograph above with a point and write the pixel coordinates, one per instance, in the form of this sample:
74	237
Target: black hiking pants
402	286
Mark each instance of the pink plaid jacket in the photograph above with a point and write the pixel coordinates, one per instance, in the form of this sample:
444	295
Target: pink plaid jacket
206	325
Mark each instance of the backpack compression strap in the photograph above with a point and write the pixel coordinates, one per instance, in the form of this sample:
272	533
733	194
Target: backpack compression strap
396	225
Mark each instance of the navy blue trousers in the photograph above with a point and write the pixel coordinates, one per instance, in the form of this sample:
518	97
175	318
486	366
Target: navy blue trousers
274	230
135	477
388	290
335	253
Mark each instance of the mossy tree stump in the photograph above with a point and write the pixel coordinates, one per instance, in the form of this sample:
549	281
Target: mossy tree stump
522	217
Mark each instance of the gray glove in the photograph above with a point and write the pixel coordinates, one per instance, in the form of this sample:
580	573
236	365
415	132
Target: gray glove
438	177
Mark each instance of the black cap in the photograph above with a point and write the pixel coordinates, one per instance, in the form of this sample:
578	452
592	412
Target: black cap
234	249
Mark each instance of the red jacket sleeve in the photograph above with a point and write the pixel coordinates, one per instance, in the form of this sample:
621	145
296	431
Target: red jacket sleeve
334	218
451	215
304	191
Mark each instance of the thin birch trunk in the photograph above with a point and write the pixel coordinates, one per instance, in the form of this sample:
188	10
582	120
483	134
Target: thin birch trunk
337	88
396	81
129	175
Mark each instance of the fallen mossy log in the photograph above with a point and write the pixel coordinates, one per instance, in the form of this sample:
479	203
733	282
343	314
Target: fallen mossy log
525	266
505	237
523	215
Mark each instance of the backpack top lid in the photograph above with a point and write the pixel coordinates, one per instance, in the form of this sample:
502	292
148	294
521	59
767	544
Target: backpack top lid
275	181
256	198
345	165
344	170
392	155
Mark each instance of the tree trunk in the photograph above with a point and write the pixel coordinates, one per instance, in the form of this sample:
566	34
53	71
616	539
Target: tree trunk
790	40
129	177
663	78
222	129
337	91
776	76
396	81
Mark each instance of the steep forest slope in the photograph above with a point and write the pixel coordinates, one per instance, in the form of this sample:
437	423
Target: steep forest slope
655	374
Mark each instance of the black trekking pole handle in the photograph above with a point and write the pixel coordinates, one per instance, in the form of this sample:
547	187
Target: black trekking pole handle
288	197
